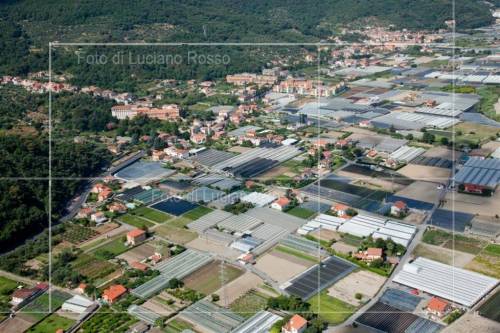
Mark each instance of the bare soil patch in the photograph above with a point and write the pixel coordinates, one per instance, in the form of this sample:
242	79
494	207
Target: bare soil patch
364	282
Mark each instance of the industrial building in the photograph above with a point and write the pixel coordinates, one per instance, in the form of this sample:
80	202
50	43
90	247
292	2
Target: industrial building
478	175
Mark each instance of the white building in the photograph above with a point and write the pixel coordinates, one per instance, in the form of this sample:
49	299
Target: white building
77	304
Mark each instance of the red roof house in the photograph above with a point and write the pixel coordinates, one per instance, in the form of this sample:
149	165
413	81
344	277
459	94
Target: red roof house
113	293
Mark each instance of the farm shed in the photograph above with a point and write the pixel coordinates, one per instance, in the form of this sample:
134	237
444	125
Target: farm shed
258	199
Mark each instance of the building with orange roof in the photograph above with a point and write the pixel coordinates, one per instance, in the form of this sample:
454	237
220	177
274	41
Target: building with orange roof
370	254
438	307
81	288
136	236
296	324
139	265
399	208
113	293
340	209
281	204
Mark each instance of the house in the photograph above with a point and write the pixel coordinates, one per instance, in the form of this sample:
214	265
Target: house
84	213
340	210
81	288
296	324
399	208
104	194
21	295
281	204
371	254
98	217
117	207
198	138
139	266
438	307
113	293
136	236
157	155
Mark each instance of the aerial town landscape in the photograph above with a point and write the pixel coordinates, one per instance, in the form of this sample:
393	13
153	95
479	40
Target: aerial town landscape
348	184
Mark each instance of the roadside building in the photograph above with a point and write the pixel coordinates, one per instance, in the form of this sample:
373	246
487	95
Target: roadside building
98	217
113	293
296	324
136	236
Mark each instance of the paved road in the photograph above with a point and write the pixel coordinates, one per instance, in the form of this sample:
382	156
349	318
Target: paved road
404	259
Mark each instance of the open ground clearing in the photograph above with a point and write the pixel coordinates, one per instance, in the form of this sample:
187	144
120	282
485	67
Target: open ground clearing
420	190
441	152
471	322
212	247
197	213
280	170
18	324
486	264
301	212
364	282
325	234
111	249
425	173
177	326
211	277
344	248
296	256
473	204
279	269
473	132
446	256
237	288
175	235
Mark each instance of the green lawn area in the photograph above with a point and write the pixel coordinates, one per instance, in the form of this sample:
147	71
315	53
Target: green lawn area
493	249
351	239
436	237
107	321
7	285
51	324
115	247
301	212
465	244
330	309
208	279
39	308
152	214
135	221
249	304
179	222
177	326
296	253
197	213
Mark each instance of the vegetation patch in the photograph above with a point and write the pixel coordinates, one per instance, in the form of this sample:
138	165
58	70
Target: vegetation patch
208	279
197	213
176	235
111	249
491	308
249	304
92	267
105	320
39	308
177	326
51	324
295	253
301	212
135	221
330	309
76	234
152	214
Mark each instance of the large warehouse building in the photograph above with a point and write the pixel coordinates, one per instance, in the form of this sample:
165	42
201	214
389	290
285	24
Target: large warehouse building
455	284
479	175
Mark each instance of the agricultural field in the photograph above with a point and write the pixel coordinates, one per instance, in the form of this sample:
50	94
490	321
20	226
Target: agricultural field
208	279
471	132
151	214
197	213
179	222
111	249
51	324
92	267
487	264
455	242
135	221
249	304
176	235
301	212
107	321
77	234
40	307
331	309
